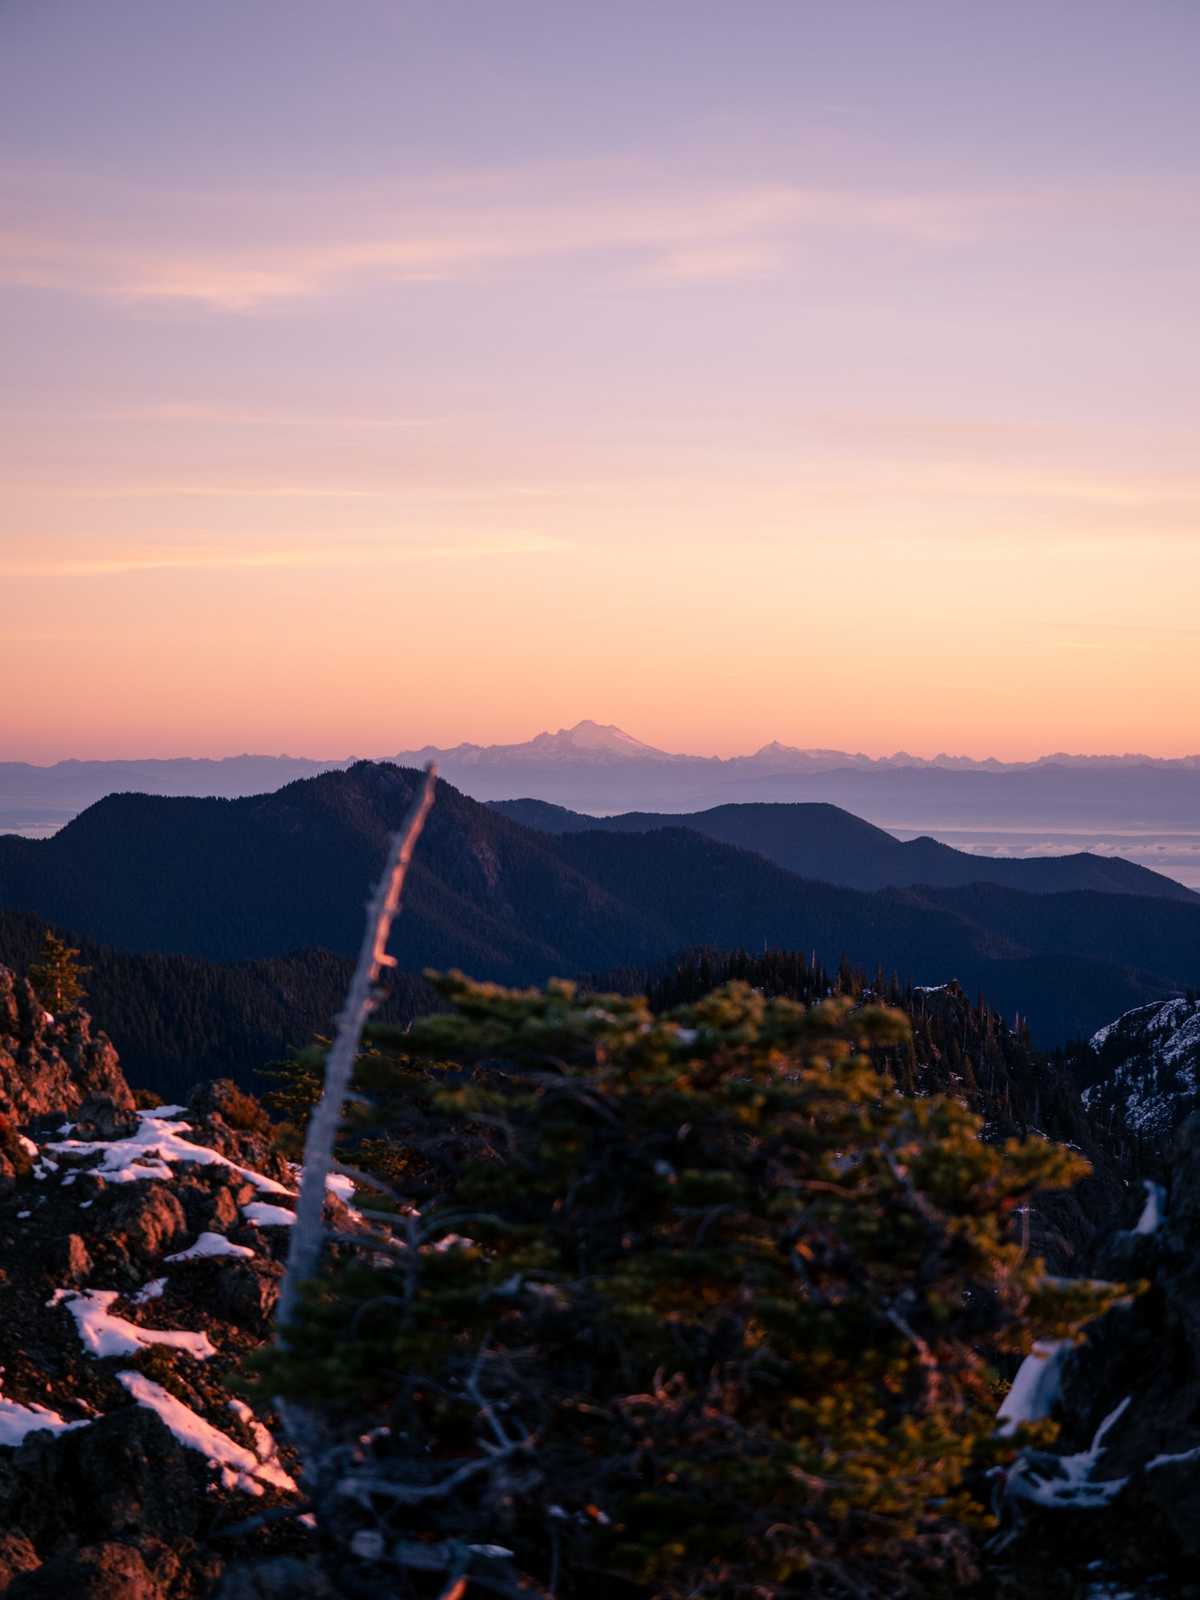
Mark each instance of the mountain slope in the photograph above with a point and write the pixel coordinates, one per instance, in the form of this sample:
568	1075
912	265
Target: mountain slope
247	879
823	841
1145	1067
178	1018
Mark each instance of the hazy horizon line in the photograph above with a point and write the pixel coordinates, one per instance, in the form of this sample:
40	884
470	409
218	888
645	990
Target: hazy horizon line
881	755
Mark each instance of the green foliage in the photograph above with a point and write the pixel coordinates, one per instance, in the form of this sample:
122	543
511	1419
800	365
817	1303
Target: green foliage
297	1089
695	1303
57	976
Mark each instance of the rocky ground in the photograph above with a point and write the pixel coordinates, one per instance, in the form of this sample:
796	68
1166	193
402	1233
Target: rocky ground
140	1260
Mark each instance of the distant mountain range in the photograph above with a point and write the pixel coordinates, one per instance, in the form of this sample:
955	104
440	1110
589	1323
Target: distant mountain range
825	842
258	877
597	768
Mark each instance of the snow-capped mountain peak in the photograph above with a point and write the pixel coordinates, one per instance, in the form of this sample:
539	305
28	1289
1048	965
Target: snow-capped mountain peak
595	738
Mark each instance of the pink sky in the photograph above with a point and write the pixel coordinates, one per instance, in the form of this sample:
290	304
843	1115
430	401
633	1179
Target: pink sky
441	371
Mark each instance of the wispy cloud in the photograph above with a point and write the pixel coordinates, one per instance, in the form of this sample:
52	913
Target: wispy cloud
239	253
265	417
205	558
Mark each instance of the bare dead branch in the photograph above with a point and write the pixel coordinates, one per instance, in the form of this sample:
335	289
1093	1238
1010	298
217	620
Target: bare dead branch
304	1250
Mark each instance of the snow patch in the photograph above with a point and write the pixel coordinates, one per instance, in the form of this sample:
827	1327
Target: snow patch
266	1216
1036	1387
152	1148
210	1244
104	1334
1169	1461
240	1468
1155	1208
1050	1480
17	1421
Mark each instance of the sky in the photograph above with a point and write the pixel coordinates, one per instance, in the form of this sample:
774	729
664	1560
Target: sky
382	373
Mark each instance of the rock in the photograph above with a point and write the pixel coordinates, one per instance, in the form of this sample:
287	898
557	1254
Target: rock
232	1122
209	1198
93	1063
109	1571
131	1475
147	1219
49	1066
77	1264
1138	1371
223	1213
246	1292
17	1555
102	1118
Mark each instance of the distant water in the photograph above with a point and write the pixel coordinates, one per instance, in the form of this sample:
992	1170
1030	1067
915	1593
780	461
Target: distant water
1175	855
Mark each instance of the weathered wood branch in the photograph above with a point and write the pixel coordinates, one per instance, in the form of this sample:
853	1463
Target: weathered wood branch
304	1251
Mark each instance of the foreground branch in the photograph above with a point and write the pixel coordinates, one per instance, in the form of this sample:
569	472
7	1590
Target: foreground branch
304	1252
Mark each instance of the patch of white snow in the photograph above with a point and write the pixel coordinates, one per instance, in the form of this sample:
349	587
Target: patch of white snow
104	1334
241	1468
16	1421
1155	1208
210	1244
1036	1387
1050	1480
150	1150
266	1216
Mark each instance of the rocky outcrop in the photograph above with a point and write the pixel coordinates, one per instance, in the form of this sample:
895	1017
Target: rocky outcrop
1146	1068
48	1066
1122	1480
139	1267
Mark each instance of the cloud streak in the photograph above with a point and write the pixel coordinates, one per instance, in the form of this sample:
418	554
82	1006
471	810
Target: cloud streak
198	558
140	249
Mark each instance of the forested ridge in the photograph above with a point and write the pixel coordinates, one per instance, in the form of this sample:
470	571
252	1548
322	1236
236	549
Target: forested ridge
246	880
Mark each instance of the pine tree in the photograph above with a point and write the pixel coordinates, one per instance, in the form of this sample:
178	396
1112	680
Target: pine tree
686	1304
57	977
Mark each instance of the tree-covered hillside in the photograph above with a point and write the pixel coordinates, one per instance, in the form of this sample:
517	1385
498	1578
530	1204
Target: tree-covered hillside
238	880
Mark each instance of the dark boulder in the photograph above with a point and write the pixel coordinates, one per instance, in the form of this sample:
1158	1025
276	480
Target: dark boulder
110	1571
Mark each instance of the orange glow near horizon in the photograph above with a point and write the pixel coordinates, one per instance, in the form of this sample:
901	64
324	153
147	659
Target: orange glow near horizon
388	387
